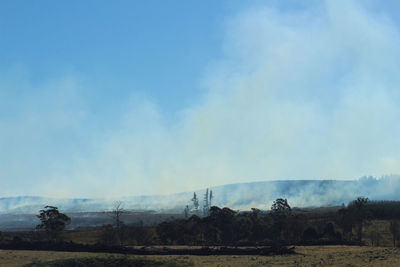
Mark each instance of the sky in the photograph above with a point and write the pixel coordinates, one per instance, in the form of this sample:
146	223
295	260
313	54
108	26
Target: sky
106	99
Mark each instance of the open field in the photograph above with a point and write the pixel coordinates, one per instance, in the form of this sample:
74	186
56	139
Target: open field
307	256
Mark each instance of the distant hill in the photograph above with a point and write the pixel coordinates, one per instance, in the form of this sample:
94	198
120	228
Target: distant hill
300	193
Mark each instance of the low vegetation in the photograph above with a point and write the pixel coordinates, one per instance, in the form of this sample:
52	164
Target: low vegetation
360	222
221	232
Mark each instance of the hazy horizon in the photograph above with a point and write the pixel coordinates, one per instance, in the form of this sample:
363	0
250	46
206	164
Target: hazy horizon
190	190
101	99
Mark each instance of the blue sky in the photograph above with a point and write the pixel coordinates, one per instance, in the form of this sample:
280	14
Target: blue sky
158	47
149	97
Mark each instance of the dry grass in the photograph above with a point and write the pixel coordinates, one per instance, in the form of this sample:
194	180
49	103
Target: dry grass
307	256
82	237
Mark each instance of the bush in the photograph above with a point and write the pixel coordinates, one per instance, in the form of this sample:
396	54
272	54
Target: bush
329	231
310	234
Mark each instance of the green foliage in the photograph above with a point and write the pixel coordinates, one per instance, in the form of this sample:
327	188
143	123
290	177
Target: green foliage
384	209
329	230
282	225
359	213
227	227
280	206
52	221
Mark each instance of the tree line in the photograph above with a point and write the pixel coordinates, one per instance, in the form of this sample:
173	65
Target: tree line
280	225
224	226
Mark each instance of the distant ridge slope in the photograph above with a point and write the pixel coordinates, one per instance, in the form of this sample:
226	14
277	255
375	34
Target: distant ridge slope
300	193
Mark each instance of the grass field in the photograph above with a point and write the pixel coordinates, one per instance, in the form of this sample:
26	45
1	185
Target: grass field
307	256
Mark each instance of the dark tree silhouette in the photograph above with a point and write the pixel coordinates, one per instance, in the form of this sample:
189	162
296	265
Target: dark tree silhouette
329	230
117	213
108	236
118	223
280	211
186	211
359	213
394	230
281	206
52	221
346	221
195	201
310	234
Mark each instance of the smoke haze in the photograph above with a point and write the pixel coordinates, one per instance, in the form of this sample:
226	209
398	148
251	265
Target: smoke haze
309	93
241	196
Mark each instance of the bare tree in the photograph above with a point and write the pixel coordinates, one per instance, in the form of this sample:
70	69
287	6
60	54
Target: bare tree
206	204
116	214
118	223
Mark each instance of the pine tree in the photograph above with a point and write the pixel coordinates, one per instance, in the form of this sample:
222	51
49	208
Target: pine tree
211	197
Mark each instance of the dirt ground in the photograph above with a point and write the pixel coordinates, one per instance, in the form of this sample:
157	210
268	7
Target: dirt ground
306	256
